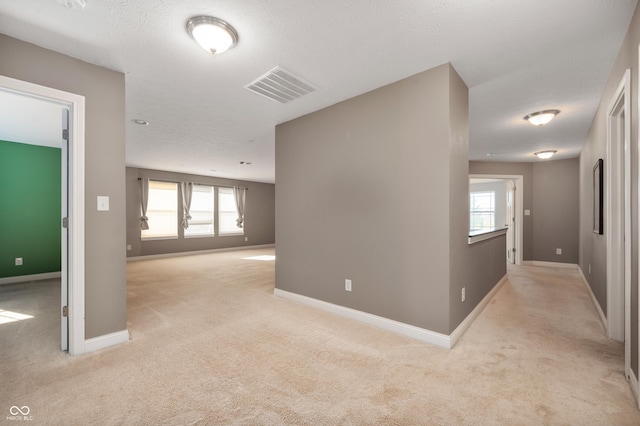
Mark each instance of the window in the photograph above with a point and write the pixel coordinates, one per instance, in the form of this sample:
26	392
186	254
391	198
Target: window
482	210
162	210
201	212
227	212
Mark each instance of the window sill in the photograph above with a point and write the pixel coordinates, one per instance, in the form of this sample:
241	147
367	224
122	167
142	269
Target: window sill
158	238
231	234
200	236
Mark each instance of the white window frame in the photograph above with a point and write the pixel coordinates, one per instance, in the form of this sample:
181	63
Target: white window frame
491	212
221	232
151	209
193	211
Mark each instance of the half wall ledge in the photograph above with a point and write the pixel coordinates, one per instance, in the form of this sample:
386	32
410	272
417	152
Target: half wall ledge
482	235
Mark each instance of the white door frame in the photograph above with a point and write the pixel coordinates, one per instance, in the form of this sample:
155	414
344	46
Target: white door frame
635	385
75	273
618	217
64	258
511	217
519	180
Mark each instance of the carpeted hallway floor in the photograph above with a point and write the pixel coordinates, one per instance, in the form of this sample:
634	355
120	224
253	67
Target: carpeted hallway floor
212	345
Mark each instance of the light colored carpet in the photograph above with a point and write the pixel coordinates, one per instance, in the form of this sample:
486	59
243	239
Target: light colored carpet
212	345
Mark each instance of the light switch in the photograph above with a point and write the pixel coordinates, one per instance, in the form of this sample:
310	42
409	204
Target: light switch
527	212
103	203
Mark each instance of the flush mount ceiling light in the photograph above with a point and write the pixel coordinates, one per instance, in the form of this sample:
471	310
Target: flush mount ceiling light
212	34
541	117
543	155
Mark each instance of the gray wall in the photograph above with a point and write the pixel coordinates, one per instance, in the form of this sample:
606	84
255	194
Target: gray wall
478	267
104	92
259	216
375	189
593	246
556	190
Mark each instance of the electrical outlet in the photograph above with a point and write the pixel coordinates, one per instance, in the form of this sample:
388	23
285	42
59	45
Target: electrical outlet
464	295
558	251
246	239
128	247
347	285
18	261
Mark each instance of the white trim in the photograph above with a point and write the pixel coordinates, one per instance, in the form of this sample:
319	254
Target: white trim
519	180
466	323
106	340
422	334
33	277
75	197
618	190
192	253
603	318
635	384
550	264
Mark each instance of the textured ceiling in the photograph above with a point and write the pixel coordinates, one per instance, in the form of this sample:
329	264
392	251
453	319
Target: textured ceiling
516	57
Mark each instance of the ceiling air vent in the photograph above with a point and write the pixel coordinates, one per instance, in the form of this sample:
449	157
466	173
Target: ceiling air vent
280	85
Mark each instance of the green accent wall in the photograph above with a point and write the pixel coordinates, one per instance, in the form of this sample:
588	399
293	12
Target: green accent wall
30	213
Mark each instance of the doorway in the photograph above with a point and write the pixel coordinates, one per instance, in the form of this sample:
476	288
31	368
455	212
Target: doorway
72	205
511	206
618	218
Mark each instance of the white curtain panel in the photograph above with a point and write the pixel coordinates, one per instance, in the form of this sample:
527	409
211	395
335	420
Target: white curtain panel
187	192
144	199
240	195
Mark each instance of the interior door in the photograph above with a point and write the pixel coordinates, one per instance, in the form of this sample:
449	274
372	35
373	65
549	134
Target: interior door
64	281
511	221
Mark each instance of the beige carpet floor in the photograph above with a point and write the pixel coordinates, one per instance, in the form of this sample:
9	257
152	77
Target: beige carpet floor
212	345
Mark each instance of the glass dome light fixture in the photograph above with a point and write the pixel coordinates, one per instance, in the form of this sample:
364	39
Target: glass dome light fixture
541	117
543	155
212	34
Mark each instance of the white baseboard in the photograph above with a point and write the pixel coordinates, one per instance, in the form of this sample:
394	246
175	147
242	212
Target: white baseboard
34	277
418	333
422	334
466	323
601	314
550	264
105	341
192	253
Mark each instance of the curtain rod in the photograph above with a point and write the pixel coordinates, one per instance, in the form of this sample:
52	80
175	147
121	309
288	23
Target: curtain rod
196	183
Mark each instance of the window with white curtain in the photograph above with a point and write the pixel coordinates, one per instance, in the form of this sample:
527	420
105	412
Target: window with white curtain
202	208
227	212
162	211
482	210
